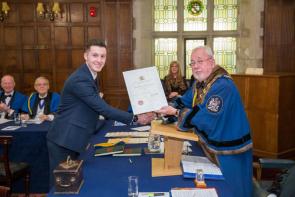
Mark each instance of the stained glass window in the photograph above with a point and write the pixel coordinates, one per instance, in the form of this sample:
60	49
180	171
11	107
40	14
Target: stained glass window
225	52
225	15
165	52
165	15
194	23
189	46
216	24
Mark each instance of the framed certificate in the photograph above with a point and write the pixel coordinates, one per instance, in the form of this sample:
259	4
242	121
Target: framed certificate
145	90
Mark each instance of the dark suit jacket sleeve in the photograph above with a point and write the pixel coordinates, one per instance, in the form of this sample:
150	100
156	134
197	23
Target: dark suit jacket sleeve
85	89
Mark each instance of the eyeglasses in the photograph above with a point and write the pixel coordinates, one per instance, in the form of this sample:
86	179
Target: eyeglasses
192	63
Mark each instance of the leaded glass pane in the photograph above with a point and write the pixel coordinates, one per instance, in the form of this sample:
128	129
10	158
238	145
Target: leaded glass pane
225	52
165	15
225	15
189	46
165	52
195	23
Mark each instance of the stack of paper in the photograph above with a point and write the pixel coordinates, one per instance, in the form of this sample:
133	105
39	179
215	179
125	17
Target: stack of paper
127	140
191	163
191	192
127	134
134	151
109	150
142	128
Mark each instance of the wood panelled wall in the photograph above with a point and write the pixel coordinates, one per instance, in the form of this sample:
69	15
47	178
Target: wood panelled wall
31	46
279	36
268	103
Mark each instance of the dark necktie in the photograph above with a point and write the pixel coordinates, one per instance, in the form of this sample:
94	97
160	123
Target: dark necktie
41	103
6	96
200	85
7	102
95	81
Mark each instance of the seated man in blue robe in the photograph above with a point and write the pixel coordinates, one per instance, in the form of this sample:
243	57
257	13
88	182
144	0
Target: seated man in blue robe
11	101
41	104
213	108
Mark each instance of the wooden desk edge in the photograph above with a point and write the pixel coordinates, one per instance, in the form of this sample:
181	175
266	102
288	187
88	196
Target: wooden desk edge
171	131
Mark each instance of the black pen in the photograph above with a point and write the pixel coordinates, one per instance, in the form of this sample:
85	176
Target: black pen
159	194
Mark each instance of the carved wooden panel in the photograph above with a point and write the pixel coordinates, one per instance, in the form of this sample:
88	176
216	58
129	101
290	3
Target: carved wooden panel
279	36
31	46
117	28
76	12
77	35
26	12
44	36
10	37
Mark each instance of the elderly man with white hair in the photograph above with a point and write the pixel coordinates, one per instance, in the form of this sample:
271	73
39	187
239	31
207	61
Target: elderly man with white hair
11	101
214	109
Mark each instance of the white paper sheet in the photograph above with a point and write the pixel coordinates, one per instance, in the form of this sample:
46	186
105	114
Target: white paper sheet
2	120
129	140
194	192
34	121
142	128
127	134
118	124
145	90
153	194
11	128
191	163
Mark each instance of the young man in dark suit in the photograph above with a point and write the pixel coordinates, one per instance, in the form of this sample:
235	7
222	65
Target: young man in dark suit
80	106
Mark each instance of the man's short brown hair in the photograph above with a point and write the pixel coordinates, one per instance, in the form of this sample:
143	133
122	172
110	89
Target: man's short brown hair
95	42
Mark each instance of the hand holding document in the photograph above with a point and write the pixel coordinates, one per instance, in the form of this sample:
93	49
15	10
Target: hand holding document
167	110
145	90
145	118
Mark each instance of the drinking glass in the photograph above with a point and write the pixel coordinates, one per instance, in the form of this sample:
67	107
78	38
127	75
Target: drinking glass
132	186
16	118
200	175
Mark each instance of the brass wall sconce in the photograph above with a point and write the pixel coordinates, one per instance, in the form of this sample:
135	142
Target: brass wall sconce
4	11
47	12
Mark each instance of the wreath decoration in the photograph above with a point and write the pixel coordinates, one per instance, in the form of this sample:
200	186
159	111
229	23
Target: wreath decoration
195	7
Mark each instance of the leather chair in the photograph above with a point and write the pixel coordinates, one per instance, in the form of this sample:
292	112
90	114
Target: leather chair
10	171
282	184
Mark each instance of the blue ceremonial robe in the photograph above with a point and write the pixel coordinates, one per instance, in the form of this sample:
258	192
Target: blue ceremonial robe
221	123
16	102
51	104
